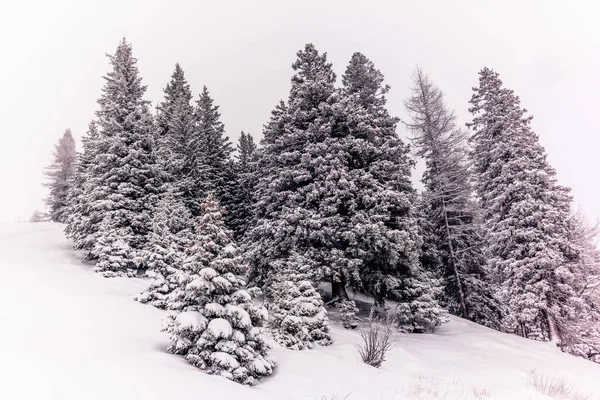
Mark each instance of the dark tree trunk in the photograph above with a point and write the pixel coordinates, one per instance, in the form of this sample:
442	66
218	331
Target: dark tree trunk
338	290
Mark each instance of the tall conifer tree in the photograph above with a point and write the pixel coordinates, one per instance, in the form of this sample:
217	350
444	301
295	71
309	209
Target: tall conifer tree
177	134
240	209
286	215
79	226
526	212
123	183
454	249
381	210
212	167
60	174
177	90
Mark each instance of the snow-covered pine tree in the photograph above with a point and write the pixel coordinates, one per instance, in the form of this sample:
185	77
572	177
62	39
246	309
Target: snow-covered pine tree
176	90
298	316
286	207
59	175
81	225
581	337
170	237
381	209
212	166
123	176
246	149
526	215
287	219
219	327
240	209
454	248
177	133
259	272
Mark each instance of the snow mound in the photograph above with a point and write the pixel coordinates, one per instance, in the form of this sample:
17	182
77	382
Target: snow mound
192	320
220	328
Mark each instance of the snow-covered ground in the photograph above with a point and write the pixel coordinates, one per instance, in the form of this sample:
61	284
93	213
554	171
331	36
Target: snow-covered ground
69	334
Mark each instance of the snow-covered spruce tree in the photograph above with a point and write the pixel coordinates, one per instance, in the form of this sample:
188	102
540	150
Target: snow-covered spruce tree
170	237
123	184
581	337
79	226
454	248
211	239
219	329
298	317
177	134
381	205
246	151
212	166
287	219
288	215
176	90
526	215
59	175
264	169
240	209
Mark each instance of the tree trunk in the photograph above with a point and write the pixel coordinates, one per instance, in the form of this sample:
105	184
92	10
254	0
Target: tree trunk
338	290
554	335
461	293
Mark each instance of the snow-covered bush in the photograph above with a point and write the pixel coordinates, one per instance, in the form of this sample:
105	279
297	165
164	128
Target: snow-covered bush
170	236
420	313
115	257
348	312
298	315
219	329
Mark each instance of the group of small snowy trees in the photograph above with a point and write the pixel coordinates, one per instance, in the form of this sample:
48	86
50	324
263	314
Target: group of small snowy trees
326	197
334	202
139	199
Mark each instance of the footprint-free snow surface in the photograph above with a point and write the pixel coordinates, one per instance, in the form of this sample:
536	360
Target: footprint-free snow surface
69	334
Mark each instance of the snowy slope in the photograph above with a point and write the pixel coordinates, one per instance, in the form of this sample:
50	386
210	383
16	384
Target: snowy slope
69	334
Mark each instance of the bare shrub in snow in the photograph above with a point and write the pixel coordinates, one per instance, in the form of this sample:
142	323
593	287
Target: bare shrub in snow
377	341
423	387
554	387
481	393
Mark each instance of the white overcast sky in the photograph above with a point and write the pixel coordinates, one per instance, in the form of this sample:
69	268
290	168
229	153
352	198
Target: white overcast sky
53	58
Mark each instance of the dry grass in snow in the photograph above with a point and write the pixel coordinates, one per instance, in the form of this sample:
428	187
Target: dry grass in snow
555	387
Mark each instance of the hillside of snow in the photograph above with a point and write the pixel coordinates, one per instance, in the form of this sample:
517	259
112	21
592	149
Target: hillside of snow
69	334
